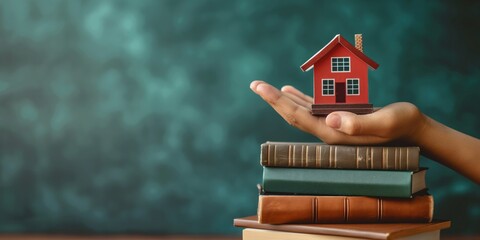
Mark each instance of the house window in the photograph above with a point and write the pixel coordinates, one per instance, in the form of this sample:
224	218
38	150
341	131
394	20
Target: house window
328	87
353	86
340	64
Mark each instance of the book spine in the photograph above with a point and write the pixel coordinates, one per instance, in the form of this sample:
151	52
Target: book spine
374	183
304	155
278	209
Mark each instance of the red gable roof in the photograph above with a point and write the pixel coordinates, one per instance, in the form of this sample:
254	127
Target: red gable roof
335	41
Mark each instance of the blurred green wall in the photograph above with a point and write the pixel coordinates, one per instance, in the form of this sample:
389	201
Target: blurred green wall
136	116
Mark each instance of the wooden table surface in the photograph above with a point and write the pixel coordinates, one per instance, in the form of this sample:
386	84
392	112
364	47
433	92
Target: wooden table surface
111	237
152	237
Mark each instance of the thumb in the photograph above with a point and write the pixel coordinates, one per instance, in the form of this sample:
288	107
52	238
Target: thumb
353	124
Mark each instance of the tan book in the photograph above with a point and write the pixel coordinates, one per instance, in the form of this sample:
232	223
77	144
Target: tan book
321	155
357	230
279	209
260	234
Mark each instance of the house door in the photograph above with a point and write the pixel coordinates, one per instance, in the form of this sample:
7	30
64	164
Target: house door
340	92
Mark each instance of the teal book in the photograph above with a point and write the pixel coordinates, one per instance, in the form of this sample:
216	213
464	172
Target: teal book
375	183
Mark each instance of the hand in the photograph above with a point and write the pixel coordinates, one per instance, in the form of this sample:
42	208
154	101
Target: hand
399	122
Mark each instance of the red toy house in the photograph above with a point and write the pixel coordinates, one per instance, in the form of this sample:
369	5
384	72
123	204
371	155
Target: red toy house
340	77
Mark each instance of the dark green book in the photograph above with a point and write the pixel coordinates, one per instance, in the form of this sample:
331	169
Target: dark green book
375	183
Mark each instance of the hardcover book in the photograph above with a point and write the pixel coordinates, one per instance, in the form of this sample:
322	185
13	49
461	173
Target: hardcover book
361	230
321	155
375	183
281	209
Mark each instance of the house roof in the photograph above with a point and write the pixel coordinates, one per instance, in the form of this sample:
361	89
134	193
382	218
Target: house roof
338	39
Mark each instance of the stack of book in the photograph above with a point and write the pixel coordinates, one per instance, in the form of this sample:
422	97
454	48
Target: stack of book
317	183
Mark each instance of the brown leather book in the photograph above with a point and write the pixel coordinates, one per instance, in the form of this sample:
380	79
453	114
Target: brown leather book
321	155
280	209
361	230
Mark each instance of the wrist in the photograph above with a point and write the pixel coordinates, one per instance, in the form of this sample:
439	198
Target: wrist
424	124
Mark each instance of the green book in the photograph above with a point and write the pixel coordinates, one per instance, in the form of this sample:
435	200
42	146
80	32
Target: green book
375	183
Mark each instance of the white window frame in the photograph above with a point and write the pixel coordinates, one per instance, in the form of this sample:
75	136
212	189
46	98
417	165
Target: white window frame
333	86
358	86
349	64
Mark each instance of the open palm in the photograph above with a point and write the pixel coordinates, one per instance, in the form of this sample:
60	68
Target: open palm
395	122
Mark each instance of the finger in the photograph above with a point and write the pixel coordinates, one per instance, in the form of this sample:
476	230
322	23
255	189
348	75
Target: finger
254	84
295	114
356	125
298	100
297	93
292	93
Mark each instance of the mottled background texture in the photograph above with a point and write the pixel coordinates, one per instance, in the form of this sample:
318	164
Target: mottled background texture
136	116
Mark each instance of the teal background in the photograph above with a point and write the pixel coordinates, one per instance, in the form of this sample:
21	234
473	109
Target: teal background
136	116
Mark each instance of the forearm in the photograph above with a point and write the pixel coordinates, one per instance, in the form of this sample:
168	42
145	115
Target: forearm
451	148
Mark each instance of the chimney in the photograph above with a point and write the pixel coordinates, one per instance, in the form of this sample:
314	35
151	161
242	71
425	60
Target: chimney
358	42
